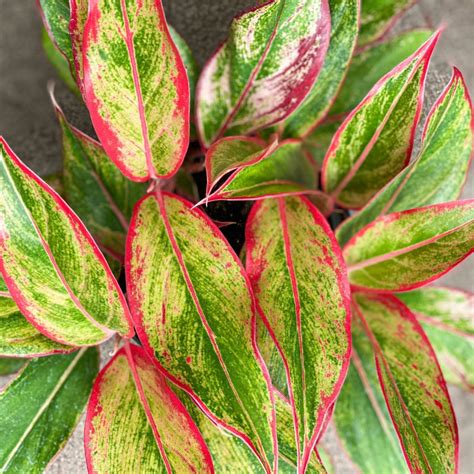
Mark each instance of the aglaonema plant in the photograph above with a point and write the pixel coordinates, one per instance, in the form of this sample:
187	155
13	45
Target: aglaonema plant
273	233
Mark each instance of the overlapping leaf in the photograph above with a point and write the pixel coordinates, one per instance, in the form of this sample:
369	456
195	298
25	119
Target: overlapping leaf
20	338
412	383
375	141
299	280
145	128
265	68
404	250
344	29
94	187
41	407
378	16
438	173
447	316
135	423
361	417
10	365
50	263
284	171
370	65
194	312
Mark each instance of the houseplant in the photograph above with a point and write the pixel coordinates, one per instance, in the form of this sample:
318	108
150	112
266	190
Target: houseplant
67	292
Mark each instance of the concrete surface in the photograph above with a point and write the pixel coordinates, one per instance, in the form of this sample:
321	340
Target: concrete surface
28	123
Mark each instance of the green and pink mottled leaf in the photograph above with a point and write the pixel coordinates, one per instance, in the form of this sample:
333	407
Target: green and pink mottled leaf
285	171
344	29
10	365
438	173
144	129
375	141
378	16
405	250
447	316
41	408
370	65
300	283
135	423
193	309
102	197
19	338
231	153
412	383
361	416
264	69
52	267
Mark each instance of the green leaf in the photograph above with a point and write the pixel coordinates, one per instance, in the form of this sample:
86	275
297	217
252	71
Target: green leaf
412	383
299	279
231	153
447	316
193	310
135	423
318	141
20	338
370	65
405	250
377	16
361	416
10	365
59	62
438	173
144	129
287	170
374	142
264	69
51	265
55	15
94	187
41	407
344	29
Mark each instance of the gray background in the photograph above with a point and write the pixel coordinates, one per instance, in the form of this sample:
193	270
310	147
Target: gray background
28	123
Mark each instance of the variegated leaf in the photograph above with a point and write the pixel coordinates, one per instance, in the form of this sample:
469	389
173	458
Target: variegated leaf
20	338
370	65
10	365
59	62
41	407
405	250
94	187
56	15
300	283
51	265
135	423
145	128
378	16
374	142
318	141
361	416
447	316
412	383
287	170
344	29
264	69
194	311
231	153
438	173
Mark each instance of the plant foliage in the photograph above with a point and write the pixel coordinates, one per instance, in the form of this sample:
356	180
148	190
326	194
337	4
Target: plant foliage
227	363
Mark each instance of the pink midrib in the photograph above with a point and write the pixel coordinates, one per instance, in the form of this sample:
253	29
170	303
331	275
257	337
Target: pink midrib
146	407
379	352
138	89
410	248
209	331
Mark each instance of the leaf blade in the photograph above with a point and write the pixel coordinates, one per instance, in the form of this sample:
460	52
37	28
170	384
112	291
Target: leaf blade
296	270
145	137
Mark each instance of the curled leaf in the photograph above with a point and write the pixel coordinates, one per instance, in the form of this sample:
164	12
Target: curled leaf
264	69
